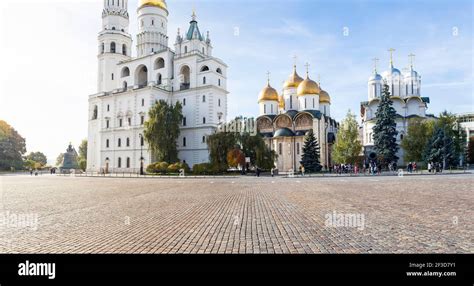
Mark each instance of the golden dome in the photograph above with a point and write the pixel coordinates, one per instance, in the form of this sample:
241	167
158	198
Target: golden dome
308	87
324	97
157	3
281	102
268	93
294	80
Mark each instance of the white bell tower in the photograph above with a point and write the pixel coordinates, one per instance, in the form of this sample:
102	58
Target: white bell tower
114	43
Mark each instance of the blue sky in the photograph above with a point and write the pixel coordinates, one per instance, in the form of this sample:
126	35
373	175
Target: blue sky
48	74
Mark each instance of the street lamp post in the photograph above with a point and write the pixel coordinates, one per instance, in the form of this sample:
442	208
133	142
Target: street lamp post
141	155
107	165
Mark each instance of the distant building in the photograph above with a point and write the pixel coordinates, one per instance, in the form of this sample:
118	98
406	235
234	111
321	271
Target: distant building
285	119
405	90
466	120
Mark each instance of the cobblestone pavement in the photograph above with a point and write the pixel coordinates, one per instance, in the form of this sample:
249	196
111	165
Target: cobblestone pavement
424	214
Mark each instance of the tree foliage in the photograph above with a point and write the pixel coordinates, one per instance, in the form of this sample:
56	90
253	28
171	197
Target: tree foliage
162	130
385	130
440	149
236	158
252	146
415	141
59	159
12	147
449	122
37	157
310	158
348	147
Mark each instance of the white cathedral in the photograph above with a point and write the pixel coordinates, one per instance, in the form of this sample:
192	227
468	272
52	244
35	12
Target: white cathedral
128	87
285	119
405	90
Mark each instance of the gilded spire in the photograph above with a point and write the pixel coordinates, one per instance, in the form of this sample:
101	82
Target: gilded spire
307	69
391	50
375	60
411	56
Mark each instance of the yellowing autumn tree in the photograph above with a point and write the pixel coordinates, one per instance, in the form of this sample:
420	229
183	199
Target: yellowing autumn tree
348	147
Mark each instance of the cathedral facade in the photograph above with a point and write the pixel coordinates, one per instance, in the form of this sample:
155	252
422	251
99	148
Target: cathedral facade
405	90
129	86
285	119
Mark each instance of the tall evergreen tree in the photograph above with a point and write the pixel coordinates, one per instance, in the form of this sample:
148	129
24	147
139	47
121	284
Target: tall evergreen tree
385	130
440	149
310	159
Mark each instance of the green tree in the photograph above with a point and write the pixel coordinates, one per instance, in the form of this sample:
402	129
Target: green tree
162	130
449	122
385	130
470	150
12	147
59	159
310	158
82	159
348	147
415	141
440	149
37	157
260	154
219	145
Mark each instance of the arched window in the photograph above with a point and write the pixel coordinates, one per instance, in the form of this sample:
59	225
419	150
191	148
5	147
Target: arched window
184	141
219	71
141	76
119	144
142	141
107	143
125	72
185	78
219	82
297	148
102	48
159	79
203	139
128	142
204	80
204	120
204	68
185	49
184	121
124	49
125	85
112	47
128	162
203	98
95	112
280	148
119	163
159	63
184	101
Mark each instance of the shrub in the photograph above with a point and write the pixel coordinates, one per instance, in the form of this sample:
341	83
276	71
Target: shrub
205	169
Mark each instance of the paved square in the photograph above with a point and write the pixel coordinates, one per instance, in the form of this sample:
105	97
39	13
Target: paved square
422	214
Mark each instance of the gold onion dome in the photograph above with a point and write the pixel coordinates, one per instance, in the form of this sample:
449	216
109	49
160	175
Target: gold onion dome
294	80
324	97
281	102
308	86
157	3
268	93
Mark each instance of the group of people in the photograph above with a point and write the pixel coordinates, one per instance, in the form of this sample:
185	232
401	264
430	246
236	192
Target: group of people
346	169
435	167
411	167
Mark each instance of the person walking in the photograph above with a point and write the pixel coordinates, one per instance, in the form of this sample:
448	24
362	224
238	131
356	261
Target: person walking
302	170
272	172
